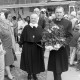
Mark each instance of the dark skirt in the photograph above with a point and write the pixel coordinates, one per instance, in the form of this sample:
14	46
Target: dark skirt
58	60
32	60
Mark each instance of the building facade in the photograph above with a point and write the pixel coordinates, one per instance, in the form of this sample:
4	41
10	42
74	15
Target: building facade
7	2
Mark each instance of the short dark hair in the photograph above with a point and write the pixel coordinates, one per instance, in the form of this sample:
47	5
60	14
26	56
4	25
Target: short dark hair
6	14
27	18
14	17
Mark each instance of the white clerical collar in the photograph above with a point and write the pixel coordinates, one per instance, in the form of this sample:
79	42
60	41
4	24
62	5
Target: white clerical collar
33	25
58	19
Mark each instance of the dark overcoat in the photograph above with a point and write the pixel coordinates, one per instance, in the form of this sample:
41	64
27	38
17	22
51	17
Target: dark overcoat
32	59
58	60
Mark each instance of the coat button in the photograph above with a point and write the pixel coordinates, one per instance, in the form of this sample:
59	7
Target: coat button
33	36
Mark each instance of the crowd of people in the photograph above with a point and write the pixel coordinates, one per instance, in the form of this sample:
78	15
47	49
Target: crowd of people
28	33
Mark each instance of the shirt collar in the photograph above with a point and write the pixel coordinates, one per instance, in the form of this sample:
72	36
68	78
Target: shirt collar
33	25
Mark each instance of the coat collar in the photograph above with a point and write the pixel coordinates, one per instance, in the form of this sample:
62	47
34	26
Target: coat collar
33	25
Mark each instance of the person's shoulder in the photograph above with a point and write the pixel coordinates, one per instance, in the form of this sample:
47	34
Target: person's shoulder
26	26
25	29
74	19
67	21
20	21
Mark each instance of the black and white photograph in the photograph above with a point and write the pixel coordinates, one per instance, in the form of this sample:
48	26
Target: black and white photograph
39	39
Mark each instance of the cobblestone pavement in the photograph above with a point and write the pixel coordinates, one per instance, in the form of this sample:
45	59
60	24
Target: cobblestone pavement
71	74
21	75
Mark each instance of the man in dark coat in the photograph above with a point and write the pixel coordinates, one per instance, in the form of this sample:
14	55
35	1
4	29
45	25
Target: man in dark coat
32	60
43	20
58	59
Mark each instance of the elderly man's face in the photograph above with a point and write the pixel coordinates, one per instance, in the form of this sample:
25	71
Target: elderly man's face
34	18
37	11
59	13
